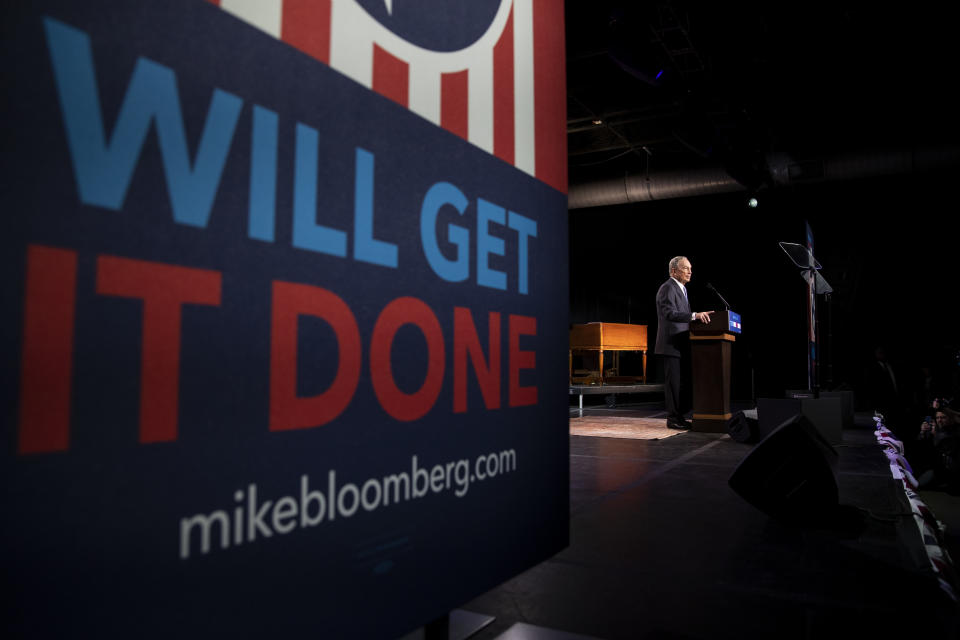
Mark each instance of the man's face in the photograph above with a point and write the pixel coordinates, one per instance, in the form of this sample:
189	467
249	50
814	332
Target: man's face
683	272
943	420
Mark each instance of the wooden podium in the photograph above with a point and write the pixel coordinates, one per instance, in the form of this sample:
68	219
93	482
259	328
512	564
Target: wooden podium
711	346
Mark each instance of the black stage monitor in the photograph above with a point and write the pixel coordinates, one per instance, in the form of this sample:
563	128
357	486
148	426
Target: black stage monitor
790	475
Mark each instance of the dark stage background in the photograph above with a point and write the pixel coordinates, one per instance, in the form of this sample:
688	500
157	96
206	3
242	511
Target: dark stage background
888	247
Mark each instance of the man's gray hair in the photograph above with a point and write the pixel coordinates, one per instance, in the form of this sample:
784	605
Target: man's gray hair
675	263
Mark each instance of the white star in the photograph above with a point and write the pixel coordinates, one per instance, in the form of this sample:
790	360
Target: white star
389	4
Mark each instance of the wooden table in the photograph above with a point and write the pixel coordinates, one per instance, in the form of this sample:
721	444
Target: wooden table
609	336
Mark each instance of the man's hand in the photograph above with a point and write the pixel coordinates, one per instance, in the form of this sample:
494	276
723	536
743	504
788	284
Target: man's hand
704	316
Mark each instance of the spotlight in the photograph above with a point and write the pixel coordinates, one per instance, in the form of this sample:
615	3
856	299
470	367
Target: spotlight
752	203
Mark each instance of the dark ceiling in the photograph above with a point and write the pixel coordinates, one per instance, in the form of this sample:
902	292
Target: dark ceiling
738	81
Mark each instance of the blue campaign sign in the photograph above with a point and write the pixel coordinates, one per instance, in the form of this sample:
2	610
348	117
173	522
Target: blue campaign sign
284	350
733	320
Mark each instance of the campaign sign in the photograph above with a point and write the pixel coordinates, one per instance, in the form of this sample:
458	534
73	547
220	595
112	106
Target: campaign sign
284	351
734	322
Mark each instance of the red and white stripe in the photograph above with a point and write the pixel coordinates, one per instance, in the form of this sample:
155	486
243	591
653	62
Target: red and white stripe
505	93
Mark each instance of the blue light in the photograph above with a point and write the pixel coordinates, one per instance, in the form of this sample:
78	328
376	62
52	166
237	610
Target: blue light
659	73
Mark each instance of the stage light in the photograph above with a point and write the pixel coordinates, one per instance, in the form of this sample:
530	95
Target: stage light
752	203
598	121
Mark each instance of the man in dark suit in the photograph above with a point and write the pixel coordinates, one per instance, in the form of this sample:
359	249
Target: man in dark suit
673	335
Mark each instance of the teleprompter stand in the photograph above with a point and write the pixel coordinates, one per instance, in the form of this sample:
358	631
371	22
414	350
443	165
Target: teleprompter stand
803	259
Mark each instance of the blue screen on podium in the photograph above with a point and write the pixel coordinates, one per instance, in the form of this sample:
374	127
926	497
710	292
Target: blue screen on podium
734	320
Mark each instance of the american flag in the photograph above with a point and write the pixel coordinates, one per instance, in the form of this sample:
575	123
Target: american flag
505	92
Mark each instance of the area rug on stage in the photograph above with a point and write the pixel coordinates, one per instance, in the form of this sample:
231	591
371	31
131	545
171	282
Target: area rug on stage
622	427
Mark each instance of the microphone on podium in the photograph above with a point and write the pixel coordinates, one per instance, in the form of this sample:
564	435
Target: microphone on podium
713	289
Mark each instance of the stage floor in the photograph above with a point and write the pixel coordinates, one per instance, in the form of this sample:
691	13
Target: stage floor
662	548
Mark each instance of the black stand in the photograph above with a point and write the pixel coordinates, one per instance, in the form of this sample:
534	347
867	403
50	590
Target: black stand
810	272
829	353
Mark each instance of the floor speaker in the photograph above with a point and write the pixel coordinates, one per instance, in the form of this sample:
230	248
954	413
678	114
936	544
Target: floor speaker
744	427
790	474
